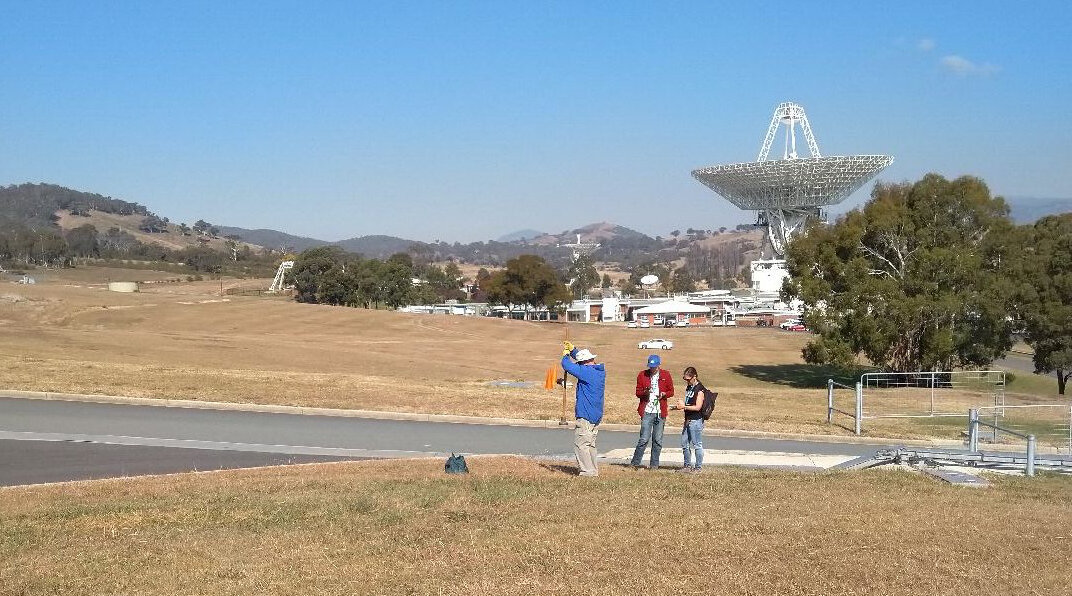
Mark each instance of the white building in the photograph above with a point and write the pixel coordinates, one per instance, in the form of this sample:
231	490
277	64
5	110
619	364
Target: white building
767	275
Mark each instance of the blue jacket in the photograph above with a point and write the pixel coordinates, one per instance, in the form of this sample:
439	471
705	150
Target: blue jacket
591	383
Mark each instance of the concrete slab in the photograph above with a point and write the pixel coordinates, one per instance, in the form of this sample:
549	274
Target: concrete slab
713	457
957	477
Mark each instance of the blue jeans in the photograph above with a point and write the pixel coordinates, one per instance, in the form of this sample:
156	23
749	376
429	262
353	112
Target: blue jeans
692	438
651	429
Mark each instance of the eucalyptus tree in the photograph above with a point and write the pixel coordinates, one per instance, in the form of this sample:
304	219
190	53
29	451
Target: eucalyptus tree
1044	299
917	279
527	279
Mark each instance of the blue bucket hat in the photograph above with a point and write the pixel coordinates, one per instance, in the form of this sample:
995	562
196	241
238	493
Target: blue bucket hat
654	360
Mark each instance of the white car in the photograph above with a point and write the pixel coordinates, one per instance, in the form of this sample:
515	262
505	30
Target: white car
644	324
656	344
631	324
790	323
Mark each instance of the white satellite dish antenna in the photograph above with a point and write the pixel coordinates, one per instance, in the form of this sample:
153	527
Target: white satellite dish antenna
649	280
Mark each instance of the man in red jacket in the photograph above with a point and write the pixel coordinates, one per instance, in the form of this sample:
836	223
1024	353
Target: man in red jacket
653	386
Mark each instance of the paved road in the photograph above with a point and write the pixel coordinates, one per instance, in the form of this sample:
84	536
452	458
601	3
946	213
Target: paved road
36	462
1017	361
43	440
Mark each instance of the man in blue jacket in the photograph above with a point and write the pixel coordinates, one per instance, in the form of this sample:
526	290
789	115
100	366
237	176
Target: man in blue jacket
591	382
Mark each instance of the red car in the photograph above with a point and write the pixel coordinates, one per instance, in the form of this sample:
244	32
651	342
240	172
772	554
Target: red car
797	327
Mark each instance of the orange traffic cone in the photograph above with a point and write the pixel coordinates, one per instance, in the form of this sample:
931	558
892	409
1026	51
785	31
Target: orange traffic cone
550	379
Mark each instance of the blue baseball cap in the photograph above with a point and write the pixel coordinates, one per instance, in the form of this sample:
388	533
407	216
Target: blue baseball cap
654	360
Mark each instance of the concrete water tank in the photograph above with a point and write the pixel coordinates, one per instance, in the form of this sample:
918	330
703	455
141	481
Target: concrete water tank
123	286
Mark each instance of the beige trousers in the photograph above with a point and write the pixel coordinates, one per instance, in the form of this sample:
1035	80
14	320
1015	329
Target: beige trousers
584	446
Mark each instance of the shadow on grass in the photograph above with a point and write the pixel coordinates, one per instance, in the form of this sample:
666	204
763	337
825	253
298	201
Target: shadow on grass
560	468
800	376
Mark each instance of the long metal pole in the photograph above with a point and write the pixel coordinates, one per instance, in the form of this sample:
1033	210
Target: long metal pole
932	393
829	400
565	391
1030	471
859	406
973	430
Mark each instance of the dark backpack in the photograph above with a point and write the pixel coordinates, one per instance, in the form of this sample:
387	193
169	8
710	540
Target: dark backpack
456	465
708	406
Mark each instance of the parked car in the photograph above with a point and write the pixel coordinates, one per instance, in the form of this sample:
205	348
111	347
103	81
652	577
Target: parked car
656	344
644	324
796	327
682	323
790	323
658	320
631	324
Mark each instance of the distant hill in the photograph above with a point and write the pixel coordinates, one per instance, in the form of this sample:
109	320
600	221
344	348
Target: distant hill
377	247
595	232
1029	209
273	239
123	223
37	204
520	235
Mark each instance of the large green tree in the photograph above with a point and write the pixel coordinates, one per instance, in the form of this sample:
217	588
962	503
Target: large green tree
583	275
915	280
396	279
682	281
368	290
1044	296
83	241
527	279
310	269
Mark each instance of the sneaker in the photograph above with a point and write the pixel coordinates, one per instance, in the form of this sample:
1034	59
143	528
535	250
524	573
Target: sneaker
685	470
697	470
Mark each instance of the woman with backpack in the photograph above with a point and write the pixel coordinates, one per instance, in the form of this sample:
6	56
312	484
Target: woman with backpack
697	406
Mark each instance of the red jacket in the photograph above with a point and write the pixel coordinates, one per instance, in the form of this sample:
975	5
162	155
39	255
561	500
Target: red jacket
643	388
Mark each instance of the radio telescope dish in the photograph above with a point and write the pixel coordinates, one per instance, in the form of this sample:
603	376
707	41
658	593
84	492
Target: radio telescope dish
649	280
787	192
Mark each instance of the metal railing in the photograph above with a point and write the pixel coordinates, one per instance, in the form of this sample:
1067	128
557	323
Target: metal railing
831	409
1050	423
973	438
929	394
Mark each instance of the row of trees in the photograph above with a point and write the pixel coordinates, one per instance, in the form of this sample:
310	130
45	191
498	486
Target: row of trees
934	275
330	275
22	245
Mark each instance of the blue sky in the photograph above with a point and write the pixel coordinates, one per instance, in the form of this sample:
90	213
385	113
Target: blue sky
468	120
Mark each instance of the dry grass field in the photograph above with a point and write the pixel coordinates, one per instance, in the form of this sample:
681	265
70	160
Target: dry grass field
525	527
184	340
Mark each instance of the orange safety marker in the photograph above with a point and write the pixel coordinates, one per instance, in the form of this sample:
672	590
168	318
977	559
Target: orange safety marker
549	380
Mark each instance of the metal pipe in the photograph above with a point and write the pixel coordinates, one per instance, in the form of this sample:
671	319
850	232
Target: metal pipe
859	406
973	430
829	400
1030	471
932	393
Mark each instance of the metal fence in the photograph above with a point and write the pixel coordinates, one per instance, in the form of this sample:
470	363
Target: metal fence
929	394
1051	424
973	439
844	400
